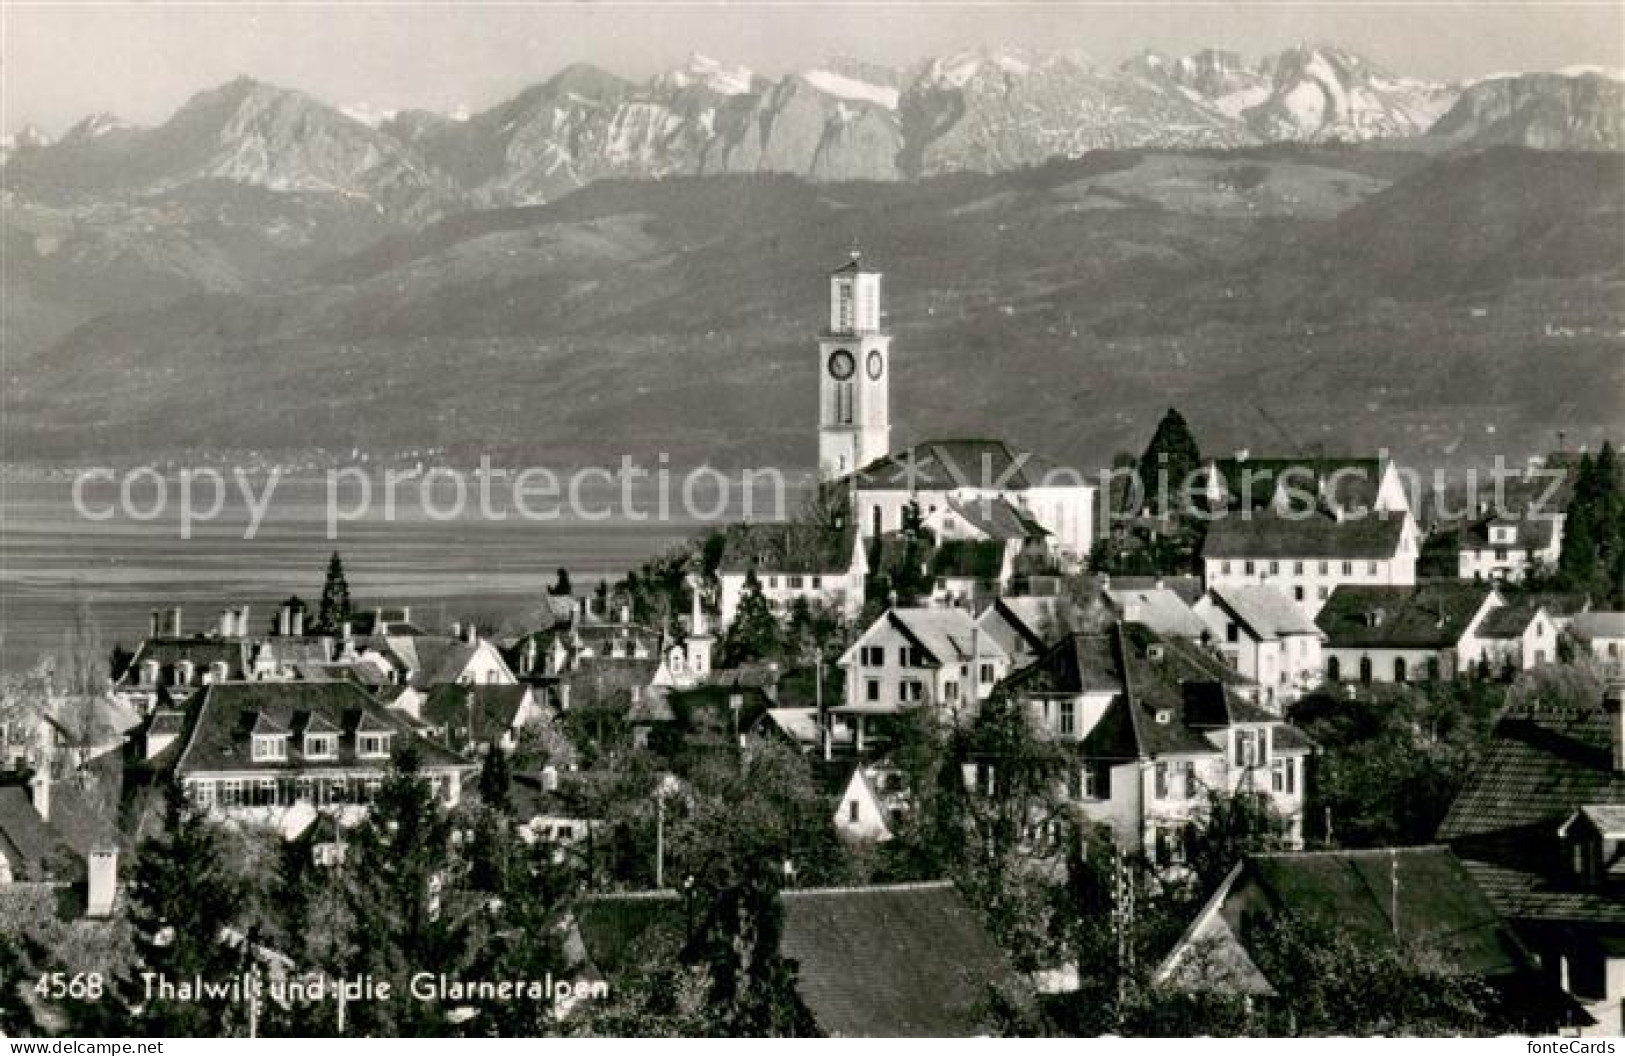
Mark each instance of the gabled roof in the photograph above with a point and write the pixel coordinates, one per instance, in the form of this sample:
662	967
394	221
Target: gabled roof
1544	762
31	844
1382	896
1160	608
1188	588
1433	614
904	960
946	635
1077	664
1266	612
228	711
202	651
946	465
1508	621
1020	624
494	709
793	548
1314	537
1529	533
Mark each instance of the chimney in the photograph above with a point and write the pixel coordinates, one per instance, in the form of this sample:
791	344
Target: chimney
284	621
1613	703
626	613
528	664
471	632
298	623
586	608
242	622
406	614
346	631
155	626
457	628
219	671
175	622
39	787
225	623
101	881
564	696
377	621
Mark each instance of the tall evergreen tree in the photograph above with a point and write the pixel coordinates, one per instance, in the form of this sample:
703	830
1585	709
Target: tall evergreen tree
1168	462
335	606
496	779
754	632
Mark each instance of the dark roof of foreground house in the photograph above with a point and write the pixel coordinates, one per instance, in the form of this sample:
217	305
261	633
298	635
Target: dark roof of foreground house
945	465
54	849
1373	537
903	960
1544	762
1508	621
907	960
1381	896
1529	533
230	712
997	519
1431	615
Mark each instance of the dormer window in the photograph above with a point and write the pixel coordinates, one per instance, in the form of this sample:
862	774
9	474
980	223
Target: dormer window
1503	534
321	746
270	747
372	745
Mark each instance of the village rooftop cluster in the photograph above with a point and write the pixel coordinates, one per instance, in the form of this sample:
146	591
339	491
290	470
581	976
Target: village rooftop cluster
986	747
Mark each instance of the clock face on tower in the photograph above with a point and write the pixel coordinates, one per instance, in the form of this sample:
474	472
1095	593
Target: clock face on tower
841	364
875	366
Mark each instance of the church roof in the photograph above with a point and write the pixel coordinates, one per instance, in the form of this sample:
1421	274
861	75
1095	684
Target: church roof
946	465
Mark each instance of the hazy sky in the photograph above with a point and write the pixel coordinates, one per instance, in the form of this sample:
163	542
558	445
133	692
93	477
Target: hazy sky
140	60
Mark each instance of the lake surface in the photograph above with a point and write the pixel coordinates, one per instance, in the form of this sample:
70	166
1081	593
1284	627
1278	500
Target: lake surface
53	559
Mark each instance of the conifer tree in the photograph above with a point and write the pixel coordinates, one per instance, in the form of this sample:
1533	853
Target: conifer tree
754	632
335	605
1168	462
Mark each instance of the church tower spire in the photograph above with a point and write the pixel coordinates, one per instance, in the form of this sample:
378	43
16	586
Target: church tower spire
854	372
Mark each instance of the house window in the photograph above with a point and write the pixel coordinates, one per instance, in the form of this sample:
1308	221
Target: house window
874	656
1248	567
1371	568
1275	568
911	691
1097	781
203	793
1348	568
1297	593
1365	669
321	746
1067	720
852	811
1232	633
1250	747
871	689
1161	781
818	582
372	745
793	582
1297	568
1325	567
1190	780
950	691
1324	593
987	674
270	748
1224	567
1399	669
1334	669
902	656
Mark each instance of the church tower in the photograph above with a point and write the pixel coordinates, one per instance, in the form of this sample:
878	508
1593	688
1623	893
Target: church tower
854	374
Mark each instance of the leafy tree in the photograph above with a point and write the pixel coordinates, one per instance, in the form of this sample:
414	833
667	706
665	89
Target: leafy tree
334	610
1231	826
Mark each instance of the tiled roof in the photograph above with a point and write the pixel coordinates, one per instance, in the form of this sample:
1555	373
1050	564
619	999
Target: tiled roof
1559	603
1079	663
1508	621
219	739
33	846
788	549
1543	763
1020	624
1436	900
1251	482
1189	588
1265	611
997	519
1162	610
945	465
1430	615
948	635
494	708
1313	537
203	652
907	960
1531	533
1589	625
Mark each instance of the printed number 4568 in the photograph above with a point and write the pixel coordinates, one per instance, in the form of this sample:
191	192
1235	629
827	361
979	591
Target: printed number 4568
54	986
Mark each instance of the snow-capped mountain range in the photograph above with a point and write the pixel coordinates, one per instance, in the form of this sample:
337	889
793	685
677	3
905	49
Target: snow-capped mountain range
984	110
